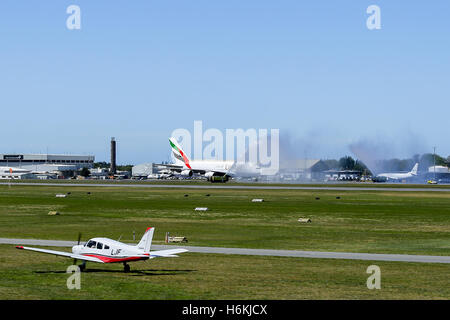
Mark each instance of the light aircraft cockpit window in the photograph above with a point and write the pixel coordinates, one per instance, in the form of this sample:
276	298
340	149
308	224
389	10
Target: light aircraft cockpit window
99	245
106	247
91	244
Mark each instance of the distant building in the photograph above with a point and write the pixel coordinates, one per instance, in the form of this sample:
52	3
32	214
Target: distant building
342	175
143	170
439	169
62	165
301	169
99	173
441	174
46	176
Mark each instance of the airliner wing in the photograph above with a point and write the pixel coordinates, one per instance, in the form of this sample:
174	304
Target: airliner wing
166	253
177	168
63	254
168	166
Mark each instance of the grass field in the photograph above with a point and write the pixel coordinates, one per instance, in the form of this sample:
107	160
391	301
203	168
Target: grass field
360	221
335	184
214	276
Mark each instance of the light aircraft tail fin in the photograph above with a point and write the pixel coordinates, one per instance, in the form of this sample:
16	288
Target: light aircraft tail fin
178	152
414	169
146	241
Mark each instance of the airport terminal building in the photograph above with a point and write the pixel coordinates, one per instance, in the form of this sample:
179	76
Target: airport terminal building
61	165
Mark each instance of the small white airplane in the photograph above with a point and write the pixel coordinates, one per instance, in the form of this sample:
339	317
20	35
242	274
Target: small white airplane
104	250
212	170
11	170
399	176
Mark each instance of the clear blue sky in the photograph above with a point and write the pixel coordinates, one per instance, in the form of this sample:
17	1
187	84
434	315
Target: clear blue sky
137	70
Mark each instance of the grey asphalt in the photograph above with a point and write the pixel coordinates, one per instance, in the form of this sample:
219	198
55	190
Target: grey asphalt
224	186
260	252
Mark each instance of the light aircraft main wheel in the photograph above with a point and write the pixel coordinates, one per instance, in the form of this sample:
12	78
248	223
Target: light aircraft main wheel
126	267
82	267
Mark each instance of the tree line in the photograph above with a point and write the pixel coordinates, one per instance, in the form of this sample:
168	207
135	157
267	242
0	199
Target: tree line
347	163
389	165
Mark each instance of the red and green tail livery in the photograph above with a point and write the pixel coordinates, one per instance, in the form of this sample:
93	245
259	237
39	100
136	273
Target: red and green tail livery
178	153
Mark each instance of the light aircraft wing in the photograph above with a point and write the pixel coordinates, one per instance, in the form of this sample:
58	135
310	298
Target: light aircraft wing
166	253
63	254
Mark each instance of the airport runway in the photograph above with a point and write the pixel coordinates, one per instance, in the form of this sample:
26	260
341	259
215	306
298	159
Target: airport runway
260	252
259	187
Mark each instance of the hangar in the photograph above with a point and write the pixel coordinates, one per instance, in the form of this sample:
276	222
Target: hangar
144	170
302	169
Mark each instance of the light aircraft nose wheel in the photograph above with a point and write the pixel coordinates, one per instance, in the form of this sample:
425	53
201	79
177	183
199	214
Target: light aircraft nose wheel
126	267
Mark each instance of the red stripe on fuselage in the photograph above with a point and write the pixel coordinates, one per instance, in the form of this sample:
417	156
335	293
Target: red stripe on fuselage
107	259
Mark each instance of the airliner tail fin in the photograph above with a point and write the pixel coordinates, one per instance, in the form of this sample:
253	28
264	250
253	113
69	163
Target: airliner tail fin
414	169
178	152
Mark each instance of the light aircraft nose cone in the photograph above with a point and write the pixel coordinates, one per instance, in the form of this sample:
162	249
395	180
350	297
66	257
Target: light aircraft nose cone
76	249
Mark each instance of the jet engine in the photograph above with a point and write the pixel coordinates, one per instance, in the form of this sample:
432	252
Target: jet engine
208	175
186	173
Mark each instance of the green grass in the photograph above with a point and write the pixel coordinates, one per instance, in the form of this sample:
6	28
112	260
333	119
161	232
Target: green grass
360	221
335	184
29	275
